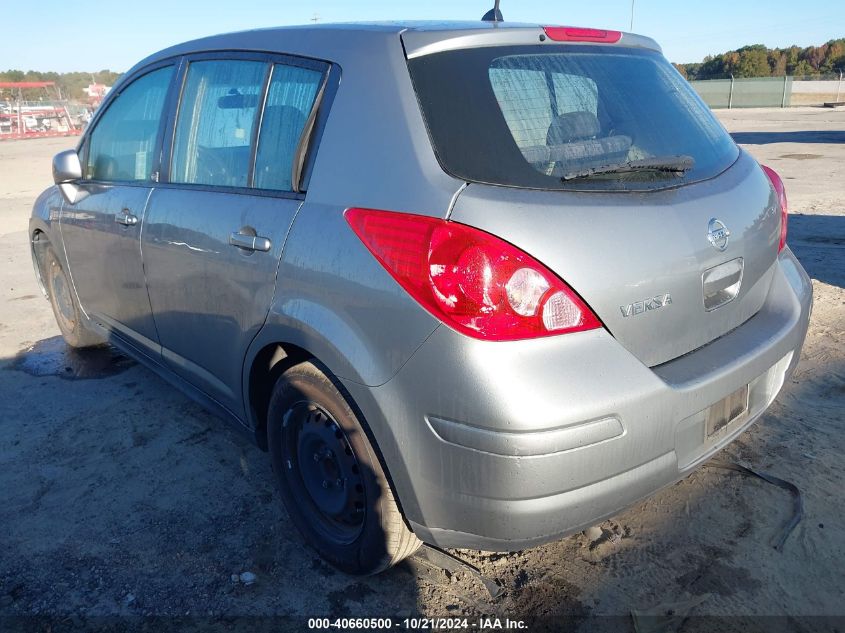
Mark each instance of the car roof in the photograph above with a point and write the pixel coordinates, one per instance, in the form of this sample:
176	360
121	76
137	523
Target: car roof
333	41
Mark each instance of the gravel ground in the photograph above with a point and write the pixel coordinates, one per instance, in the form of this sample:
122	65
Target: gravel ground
120	497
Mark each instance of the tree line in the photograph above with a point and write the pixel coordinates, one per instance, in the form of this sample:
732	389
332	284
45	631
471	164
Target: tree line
749	61
71	85
758	61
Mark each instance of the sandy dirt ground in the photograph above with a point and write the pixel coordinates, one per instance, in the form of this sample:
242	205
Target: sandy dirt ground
119	496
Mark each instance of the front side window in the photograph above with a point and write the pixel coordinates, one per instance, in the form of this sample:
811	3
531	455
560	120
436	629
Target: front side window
290	99
121	147
214	128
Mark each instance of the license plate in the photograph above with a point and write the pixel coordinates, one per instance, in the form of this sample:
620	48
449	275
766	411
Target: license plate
727	410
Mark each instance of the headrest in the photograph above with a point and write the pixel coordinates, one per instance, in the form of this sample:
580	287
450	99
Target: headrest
572	126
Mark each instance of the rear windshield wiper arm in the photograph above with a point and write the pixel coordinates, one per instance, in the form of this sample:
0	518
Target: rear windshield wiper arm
669	164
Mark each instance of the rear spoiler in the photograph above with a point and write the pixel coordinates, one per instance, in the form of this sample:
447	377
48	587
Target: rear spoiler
419	42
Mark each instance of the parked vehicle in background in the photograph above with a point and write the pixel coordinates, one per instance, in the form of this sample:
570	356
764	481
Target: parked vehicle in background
496	284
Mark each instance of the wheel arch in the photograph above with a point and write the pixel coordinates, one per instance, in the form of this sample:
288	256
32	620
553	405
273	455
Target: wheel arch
312	331
273	352
44	232
264	370
39	242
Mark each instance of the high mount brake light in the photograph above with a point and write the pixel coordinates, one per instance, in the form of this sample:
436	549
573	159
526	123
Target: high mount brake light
473	281
576	34
777	183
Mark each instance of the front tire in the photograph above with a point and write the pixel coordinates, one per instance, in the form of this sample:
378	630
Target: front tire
330	477
65	307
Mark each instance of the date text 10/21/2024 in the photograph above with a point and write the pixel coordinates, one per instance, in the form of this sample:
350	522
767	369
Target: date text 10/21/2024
418	624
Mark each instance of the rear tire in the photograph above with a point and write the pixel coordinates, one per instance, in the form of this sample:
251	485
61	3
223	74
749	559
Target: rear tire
65	307
330	477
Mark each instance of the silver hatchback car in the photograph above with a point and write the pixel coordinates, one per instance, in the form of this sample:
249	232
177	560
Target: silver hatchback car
474	284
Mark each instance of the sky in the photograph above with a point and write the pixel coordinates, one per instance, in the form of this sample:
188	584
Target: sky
94	35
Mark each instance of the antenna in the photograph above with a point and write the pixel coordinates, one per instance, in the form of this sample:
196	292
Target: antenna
493	15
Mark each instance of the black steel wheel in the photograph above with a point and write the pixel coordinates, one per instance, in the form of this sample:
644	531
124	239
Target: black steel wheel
323	471
329	475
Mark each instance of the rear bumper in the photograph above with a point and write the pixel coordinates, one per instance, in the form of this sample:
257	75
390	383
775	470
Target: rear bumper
501	446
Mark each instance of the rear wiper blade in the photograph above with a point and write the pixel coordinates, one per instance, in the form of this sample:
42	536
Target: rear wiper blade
669	164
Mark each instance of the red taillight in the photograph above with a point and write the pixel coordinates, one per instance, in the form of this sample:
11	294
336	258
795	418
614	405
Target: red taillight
474	282
575	34
777	183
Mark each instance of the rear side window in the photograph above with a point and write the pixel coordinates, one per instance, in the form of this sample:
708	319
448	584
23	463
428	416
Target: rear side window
532	116
121	146
214	128
290	99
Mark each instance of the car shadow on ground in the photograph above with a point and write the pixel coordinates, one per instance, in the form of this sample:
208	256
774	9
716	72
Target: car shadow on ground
803	136
819	243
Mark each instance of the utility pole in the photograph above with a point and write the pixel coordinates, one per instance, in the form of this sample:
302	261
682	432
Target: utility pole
632	16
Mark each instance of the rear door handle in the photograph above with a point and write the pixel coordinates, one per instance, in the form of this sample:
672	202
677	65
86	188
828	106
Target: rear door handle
126	218
250	242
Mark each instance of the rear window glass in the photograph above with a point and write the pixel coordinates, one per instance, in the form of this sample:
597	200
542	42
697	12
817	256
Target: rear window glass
534	117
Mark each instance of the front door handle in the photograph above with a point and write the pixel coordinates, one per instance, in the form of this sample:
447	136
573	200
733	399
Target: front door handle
250	242
126	218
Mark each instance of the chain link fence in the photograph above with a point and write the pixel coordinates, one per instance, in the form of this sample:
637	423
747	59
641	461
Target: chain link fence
773	92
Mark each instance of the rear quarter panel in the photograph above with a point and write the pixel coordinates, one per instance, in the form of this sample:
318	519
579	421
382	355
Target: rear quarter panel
332	297
336	301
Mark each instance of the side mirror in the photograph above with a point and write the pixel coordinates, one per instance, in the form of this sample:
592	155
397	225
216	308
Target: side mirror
66	167
67	170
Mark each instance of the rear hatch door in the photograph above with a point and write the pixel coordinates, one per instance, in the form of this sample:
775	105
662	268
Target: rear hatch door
602	162
641	260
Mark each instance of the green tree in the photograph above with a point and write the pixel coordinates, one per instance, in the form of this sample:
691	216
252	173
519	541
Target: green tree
777	63
758	61
804	69
834	58
752	61
692	70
